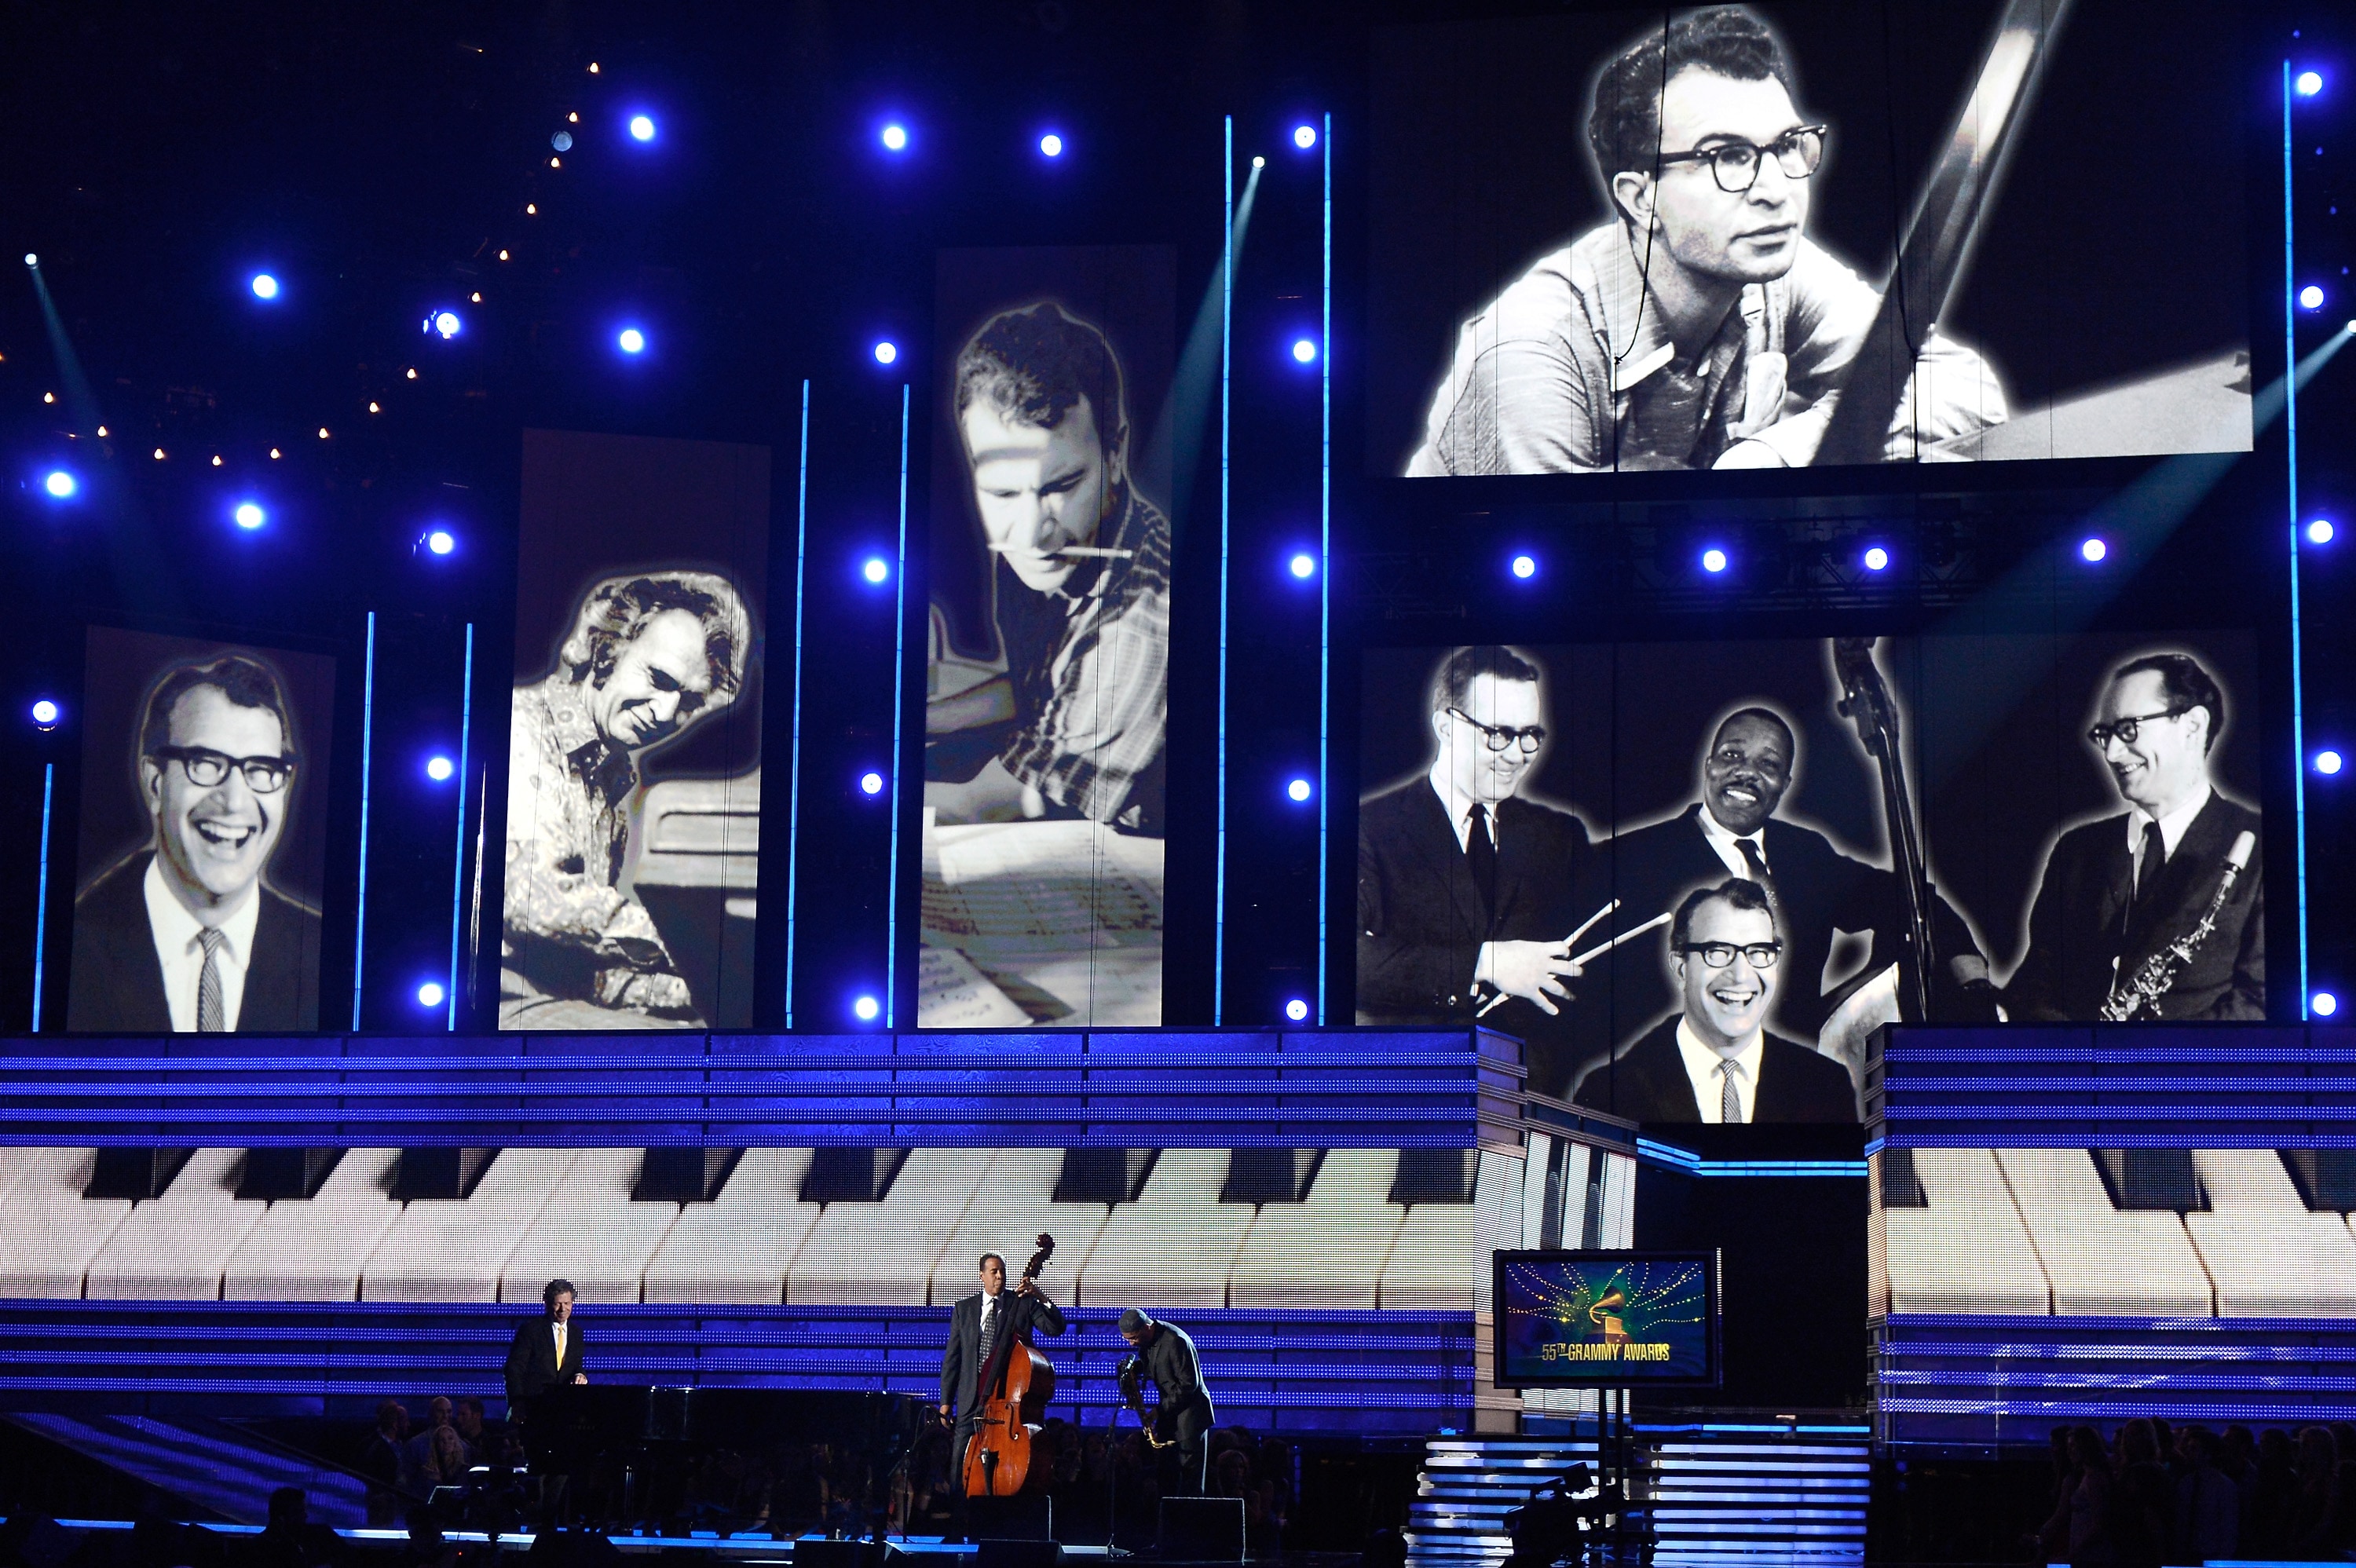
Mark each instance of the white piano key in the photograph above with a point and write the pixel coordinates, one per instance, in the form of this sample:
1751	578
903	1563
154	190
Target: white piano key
313	1250
455	1251
48	1230
881	1254
1006	1217
1175	1246
174	1248
1435	1260
2101	1260
1329	1251
2267	1255
591	1232
735	1248
1969	1250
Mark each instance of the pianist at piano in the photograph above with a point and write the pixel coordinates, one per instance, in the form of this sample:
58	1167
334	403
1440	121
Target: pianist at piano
546	1353
650	655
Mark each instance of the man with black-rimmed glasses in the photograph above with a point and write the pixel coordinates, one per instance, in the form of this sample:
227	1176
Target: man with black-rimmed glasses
185	934
1463	884
1701	328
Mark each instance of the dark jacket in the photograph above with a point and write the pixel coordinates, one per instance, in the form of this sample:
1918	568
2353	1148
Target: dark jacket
1026	1316
531	1368
2086	921
1649	1083
117	984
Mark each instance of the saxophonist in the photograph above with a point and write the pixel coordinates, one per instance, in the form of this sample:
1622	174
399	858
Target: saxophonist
2146	914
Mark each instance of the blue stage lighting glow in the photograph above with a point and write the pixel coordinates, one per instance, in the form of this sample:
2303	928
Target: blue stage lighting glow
249	515
264	286
1713	559
1297	1011
2311	297
630	340
2324	1004
2329	762
887	351
563	142
642	128
60	484
430	994
446	323
31	260
2094	550
870	783
1303	565
1304	136
895	138
2321	531
1877	558
2309	83
440	541
866	1010
1523	566
1051	146
1304	351
877	569
1298	791
46	714
439	769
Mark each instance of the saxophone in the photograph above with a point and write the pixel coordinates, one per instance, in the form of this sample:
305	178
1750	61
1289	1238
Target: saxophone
2156	976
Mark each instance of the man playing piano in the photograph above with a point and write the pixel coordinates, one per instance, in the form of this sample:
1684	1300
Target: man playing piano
978	1325
545	1354
1700	328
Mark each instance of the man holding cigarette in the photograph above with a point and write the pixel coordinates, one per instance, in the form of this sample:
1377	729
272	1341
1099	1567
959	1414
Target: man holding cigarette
1081	583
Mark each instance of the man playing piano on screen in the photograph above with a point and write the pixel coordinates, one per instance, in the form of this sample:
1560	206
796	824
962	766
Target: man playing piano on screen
1700	328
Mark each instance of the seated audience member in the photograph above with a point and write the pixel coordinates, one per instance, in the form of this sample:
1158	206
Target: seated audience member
2208	1503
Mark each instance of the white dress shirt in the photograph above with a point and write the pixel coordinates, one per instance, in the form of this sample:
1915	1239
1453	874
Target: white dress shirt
179	948
2171	828
1459	806
1729	846
1709	1084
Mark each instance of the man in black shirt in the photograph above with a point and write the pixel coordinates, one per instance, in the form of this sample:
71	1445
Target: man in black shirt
1166	1354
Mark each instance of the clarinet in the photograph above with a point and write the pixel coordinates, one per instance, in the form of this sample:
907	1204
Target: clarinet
2157	974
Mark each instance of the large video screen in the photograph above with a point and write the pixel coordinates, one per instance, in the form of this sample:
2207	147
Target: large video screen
1695	877
634	739
1605	1319
1785	235
1047	663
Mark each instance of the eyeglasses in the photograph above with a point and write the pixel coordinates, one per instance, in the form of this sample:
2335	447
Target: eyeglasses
263	775
1498	737
2124	730
1718	954
1735	163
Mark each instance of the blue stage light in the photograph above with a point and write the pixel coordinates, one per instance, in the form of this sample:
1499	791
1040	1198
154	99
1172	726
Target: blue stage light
895	138
1523	566
642	128
1304	136
2308	82
1304	351
439	768
866	1010
46	714
430	994
2324	1004
1303	566
870	783
1299	791
446	323
1297	1011
440	541
1877	558
887	351
2094	550
1713	559
1051	146
249	516
877	570
630	340
264	286
2329	762
562	140
2311	297
2321	531
60	485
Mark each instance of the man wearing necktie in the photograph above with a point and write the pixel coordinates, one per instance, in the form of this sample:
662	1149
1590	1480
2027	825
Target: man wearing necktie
2117	890
1814	891
1463	882
544	1355
979	1326
1715	1062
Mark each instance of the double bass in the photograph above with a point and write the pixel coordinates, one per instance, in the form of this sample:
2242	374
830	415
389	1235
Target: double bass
1016	1384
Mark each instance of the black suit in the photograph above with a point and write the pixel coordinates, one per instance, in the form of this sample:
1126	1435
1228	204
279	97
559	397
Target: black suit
1818	890
1024	1317
531	1368
117	982
2086	919
1649	1083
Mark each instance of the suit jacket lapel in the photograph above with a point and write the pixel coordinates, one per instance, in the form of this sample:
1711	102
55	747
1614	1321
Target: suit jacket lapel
2176	896
1435	843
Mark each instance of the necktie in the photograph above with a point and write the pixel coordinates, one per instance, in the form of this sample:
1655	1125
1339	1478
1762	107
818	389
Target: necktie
989	1324
1758	867
1730	1098
1481	858
560	1346
211	1017
2151	855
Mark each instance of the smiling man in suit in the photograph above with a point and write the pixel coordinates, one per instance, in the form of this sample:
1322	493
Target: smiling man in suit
979	1326
546	1351
1715	1062
2118	891
1464	887
186	934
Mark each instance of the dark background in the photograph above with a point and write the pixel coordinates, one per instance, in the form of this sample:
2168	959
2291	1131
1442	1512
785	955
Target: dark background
121	668
2115	247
